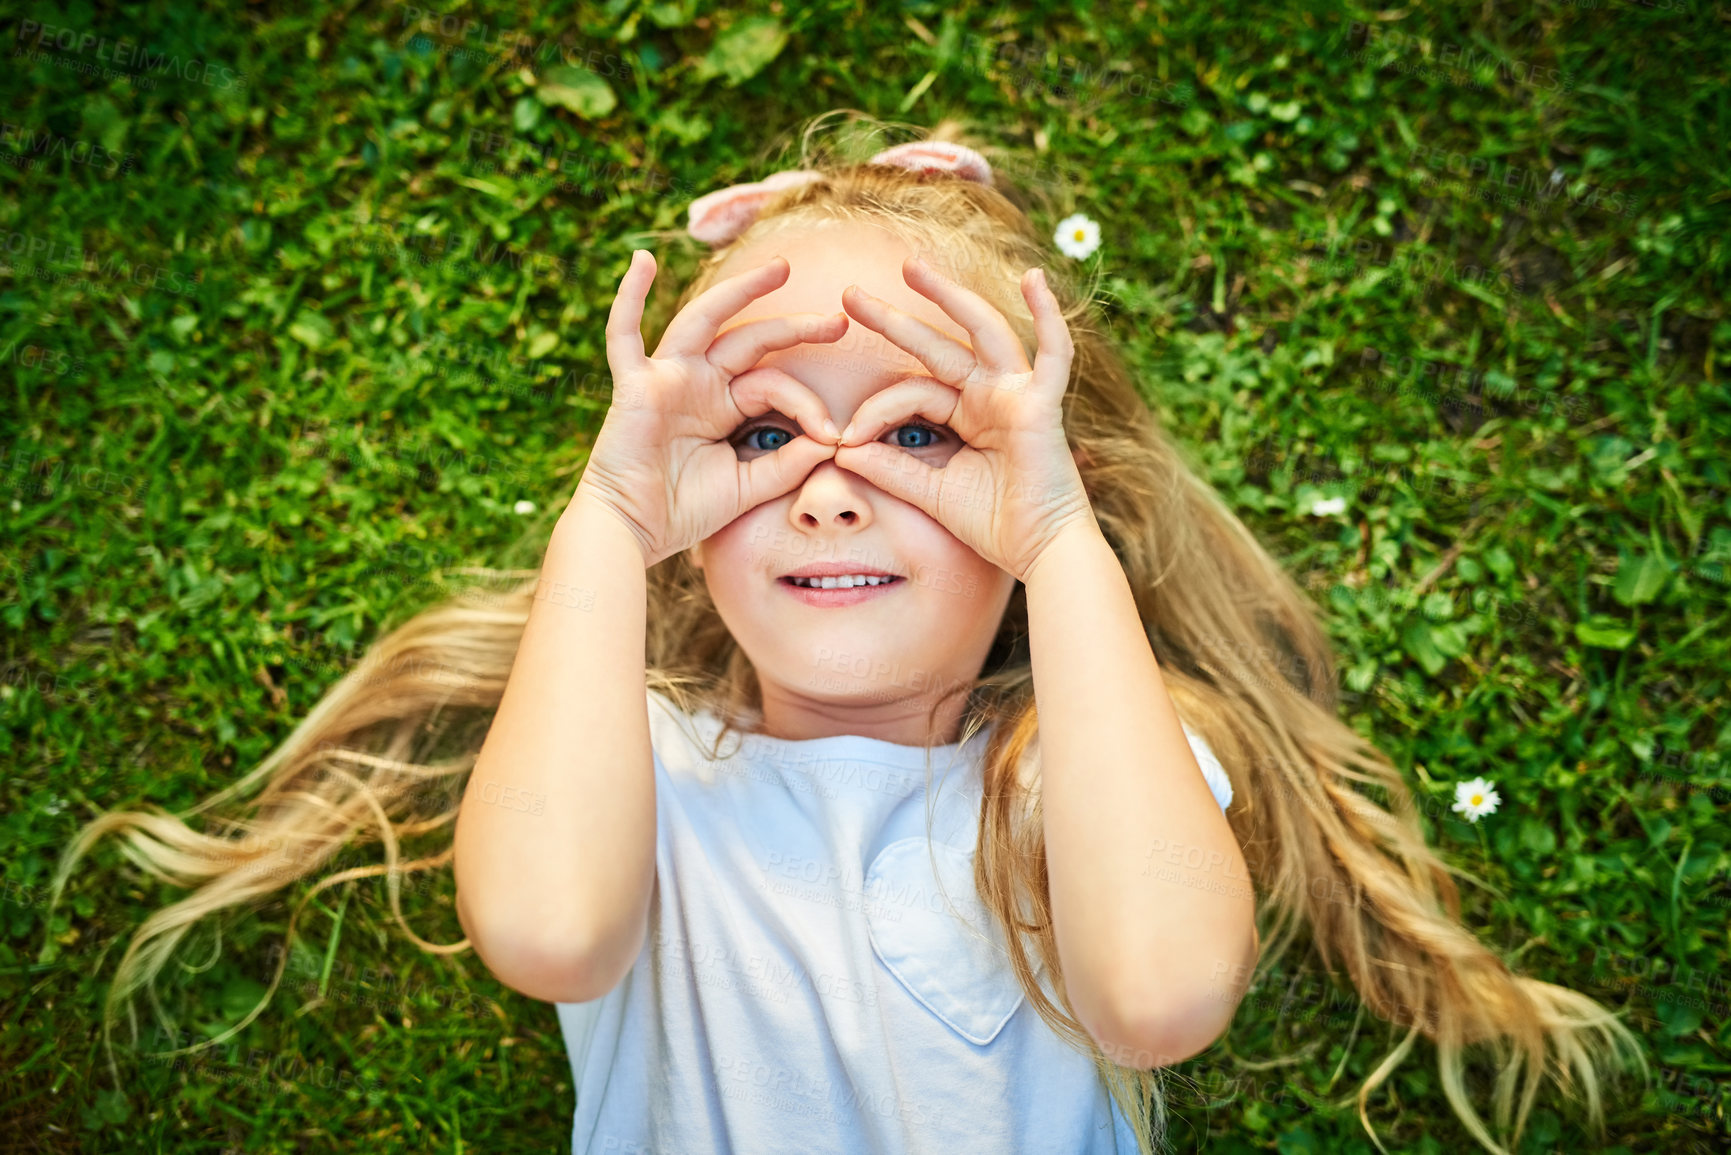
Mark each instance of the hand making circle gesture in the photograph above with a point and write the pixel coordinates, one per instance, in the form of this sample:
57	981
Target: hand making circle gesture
1013	485
663	460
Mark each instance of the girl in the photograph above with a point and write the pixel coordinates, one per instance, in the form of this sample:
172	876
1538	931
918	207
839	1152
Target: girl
975	736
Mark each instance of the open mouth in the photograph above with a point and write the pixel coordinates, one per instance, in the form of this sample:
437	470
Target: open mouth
841	589
841	582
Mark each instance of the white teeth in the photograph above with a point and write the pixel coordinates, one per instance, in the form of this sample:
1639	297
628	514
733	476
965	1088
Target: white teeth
844	582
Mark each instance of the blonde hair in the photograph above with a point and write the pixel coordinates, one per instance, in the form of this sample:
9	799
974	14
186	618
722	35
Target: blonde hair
385	753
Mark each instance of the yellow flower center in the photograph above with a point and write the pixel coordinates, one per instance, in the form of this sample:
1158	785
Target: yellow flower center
1079	234
1478	800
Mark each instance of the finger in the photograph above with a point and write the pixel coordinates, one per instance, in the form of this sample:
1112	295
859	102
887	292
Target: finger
693	331
897	472
995	343
625	318
948	359
1057	348
744	345
892	407
764	389
765	478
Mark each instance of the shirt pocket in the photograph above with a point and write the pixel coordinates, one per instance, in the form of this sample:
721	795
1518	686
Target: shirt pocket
930	930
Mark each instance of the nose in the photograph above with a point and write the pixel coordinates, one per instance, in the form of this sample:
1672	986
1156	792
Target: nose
831	497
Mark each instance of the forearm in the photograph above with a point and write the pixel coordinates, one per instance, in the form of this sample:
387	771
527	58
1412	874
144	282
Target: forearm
1141	954
570	876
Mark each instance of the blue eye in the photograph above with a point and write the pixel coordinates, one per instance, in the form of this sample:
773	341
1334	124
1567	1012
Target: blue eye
769	429
918	429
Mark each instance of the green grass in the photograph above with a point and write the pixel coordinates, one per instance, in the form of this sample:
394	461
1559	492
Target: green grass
258	406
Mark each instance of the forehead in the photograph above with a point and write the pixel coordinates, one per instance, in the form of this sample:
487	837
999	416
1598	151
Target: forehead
823	259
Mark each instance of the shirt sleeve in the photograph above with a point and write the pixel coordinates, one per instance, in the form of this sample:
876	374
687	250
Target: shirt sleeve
1212	770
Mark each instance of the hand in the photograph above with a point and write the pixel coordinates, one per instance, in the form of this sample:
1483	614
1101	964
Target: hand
1014	485
663	461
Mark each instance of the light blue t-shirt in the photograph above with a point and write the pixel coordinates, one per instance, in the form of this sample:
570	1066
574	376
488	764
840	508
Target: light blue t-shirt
810	984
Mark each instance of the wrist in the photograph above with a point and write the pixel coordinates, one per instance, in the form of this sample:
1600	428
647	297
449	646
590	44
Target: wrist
591	512
1079	535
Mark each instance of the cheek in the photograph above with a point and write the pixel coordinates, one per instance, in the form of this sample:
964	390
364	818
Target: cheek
755	543
954	569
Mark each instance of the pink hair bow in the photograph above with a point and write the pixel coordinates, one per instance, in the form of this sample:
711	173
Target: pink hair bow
720	216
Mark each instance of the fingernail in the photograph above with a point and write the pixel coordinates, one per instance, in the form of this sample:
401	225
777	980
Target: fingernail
848	432
829	428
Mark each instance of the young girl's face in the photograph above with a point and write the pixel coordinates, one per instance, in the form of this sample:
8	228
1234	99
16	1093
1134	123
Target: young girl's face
867	661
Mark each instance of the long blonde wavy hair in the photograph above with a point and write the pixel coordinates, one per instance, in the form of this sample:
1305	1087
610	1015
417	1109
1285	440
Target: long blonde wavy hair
1328	826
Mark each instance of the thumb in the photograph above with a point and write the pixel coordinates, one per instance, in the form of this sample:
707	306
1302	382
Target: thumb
768	477
896	472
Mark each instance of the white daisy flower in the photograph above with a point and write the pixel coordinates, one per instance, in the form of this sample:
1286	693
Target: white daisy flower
524	507
1476	799
1328	506
1078	236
